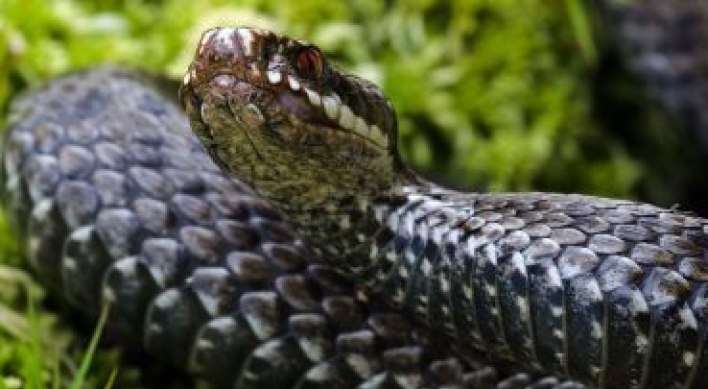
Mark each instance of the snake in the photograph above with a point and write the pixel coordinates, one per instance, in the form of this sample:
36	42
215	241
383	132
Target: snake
116	204
608	292
285	243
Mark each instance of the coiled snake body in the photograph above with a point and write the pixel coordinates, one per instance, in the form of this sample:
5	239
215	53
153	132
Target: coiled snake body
118	204
609	292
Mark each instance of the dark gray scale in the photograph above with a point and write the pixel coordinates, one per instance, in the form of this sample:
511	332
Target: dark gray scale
584	327
628	322
189	182
439	308
460	294
312	334
164	260
545	383
276	363
519	380
45	243
486	303
300	294
554	383
264	313
699	305
20	146
447	372
590	288
515	294
486	378
515	307
15	195
410	251
49	136
546	300
418	286
429	279
121	227
202	245
363	261
373	263
192	209
83	257
461	286
390	329
402	370
346	368
221	347
441	284
172	318
129	288
359	351
175	315
112	187
331	374
76	162
387	278
283	360
330	280
146	157
379	381
525	381
584	312
355	357
673	332
119	204
271	228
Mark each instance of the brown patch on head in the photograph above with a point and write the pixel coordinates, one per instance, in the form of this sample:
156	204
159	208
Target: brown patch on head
300	77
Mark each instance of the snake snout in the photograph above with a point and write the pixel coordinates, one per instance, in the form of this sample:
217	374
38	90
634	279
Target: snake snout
229	50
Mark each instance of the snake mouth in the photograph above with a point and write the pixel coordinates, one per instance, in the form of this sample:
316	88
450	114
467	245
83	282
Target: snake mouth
325	111
302	84
289	101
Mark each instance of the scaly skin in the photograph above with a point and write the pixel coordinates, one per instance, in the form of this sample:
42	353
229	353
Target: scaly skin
608	292
118	203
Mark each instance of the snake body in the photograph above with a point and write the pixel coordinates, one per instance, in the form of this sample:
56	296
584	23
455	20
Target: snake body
608	292
117	203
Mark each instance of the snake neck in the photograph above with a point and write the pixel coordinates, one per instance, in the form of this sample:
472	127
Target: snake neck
341	227
398	229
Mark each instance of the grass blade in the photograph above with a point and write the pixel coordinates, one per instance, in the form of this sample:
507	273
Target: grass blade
80	377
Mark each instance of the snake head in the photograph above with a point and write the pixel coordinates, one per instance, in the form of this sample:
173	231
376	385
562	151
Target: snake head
275	112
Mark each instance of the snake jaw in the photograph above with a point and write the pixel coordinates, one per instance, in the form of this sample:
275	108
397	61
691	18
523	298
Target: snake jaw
276	115
299	76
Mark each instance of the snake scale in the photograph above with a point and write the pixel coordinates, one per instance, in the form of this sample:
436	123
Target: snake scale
118	203
608	292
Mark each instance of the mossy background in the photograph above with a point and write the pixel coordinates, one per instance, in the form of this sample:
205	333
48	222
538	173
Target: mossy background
492	95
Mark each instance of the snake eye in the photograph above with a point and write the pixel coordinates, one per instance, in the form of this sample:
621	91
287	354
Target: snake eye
309	62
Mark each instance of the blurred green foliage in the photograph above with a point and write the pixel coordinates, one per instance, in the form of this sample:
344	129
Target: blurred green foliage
491	95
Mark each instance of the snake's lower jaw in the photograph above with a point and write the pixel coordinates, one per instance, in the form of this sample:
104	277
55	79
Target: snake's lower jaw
249	130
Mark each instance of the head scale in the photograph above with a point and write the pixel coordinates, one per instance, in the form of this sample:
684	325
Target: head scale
273	111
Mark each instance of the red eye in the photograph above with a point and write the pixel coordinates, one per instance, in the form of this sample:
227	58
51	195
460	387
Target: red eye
309	62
